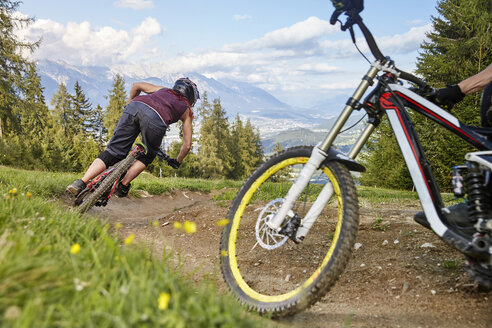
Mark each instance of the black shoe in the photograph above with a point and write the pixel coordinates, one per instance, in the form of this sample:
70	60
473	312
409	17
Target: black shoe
76	187
122	190
457	214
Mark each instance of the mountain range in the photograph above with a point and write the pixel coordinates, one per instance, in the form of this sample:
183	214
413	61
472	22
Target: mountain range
266	112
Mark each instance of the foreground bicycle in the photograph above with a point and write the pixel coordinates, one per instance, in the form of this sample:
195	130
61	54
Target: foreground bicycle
294	222
100	189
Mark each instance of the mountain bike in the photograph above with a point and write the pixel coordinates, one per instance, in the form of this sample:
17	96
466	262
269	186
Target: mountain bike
100	189
293	224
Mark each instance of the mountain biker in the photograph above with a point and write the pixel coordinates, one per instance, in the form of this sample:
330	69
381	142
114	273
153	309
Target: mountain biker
150	115
448	97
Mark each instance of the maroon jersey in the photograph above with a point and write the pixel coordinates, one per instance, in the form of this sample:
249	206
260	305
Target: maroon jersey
166	103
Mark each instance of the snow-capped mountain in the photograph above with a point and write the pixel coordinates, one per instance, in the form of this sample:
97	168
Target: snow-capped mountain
236	97
265	111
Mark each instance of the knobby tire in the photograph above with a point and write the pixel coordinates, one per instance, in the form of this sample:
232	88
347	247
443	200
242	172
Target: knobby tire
107	183
283	281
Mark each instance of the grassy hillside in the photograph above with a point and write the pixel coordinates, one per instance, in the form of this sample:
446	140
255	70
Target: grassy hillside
61	269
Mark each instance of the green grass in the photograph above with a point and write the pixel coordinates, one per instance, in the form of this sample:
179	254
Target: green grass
378	225
378	195
107	283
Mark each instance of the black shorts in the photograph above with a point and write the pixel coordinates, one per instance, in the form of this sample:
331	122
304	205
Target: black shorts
137	118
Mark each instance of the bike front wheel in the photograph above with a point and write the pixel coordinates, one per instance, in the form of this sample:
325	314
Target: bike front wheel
107	183
267	271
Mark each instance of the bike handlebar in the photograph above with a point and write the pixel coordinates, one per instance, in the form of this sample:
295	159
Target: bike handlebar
371	42
172	162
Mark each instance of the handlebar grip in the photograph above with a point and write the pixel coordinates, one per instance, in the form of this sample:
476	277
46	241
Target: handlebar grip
334	16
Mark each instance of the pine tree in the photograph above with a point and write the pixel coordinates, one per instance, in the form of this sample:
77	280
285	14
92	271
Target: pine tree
254	148
34	113
13	66
277	148
214	153
62	105
117	102
95	125
81	109
205	108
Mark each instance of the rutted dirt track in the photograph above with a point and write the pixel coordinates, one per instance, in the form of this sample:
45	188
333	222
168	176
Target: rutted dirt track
400	275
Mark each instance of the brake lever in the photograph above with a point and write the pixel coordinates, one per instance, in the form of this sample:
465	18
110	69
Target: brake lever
334	17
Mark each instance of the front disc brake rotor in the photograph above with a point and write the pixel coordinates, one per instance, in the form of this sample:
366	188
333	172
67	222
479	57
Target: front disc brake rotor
265	236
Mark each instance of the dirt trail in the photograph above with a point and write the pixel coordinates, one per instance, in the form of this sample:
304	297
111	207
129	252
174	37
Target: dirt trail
401	275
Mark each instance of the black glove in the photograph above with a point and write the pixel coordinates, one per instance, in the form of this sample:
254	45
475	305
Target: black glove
173	163
162	155
449	96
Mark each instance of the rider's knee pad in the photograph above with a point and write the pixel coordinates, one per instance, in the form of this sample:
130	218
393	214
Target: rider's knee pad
108	159
146	159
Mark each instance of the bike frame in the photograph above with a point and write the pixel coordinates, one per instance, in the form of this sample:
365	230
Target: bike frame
393	100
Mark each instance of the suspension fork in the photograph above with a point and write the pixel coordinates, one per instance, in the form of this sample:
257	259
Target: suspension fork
318	155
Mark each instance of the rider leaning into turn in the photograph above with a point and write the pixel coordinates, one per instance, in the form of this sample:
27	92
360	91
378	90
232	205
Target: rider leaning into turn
449	96
149	114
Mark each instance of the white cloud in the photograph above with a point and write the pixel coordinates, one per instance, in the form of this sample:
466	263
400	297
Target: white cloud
239	17
82	44
134	4
293	58
389	45
301	35
318	68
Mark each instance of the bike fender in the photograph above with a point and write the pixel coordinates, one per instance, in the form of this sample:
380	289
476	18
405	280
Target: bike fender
335	155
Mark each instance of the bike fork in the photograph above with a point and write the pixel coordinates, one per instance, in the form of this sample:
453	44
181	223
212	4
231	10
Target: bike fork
318	155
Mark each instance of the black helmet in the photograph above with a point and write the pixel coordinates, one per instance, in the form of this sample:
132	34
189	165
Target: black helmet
188	89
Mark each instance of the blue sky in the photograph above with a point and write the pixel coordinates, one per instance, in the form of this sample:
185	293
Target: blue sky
286	47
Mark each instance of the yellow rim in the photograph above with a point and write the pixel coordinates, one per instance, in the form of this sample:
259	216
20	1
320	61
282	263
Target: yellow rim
237	219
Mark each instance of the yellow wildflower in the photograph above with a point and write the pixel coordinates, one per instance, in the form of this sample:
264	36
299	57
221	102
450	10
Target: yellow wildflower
75	248
223	253
28	194
189	227
163	301
129	239
155	223
177	225
223	222
117	226
13	191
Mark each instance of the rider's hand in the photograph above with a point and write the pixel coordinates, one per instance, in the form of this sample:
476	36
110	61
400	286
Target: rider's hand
173	163
449	96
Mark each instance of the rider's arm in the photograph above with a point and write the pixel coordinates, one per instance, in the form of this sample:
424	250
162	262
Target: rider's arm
138	87
476	82
187	135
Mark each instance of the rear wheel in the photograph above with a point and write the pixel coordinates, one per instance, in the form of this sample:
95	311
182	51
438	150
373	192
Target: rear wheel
268	272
